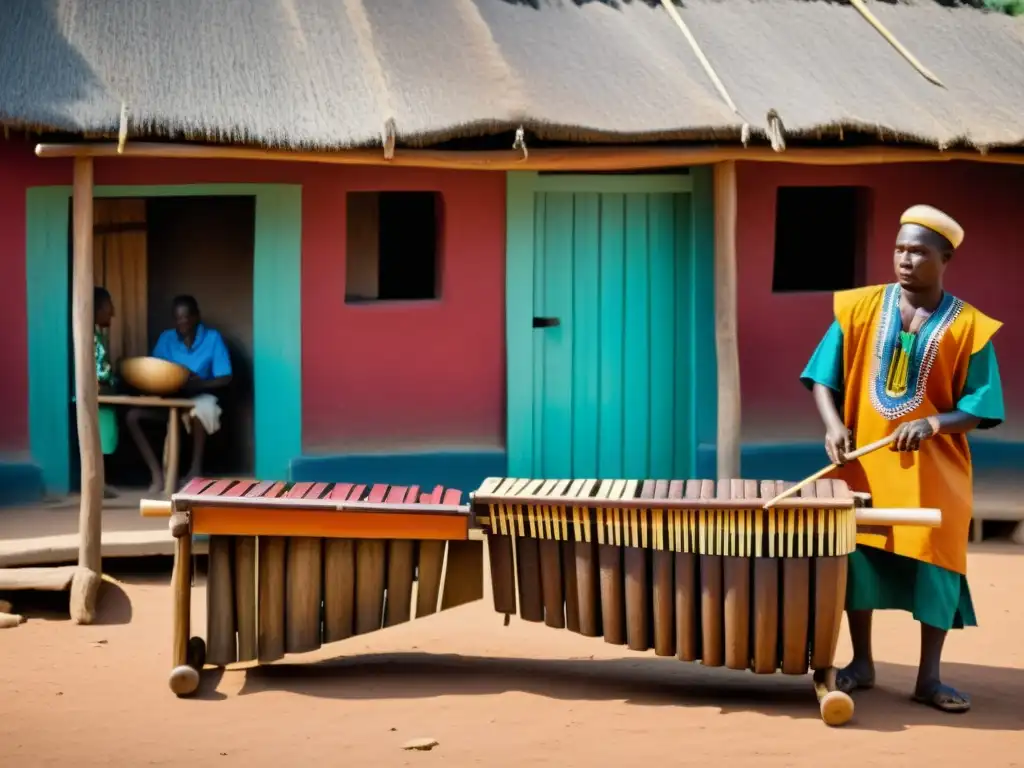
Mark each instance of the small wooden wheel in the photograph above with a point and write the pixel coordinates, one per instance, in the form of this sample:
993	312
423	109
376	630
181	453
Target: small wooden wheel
184	680
836	708
196	654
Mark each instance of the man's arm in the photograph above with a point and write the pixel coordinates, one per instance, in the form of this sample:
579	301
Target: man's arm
220	368
824	377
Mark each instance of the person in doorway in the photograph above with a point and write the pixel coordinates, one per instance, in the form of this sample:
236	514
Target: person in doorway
202	350
103	314
909	359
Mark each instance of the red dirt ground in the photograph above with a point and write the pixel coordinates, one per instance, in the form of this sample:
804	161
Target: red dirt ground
490	695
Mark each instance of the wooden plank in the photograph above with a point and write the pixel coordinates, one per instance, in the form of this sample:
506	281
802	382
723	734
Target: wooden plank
240	488
257	490
586	339
90	524
44	579
590	158
663	348
557	342
218	488
726	322
198	485
340	491
377	494
688	321
663	586
298	490
636	365
249	521
316	492
519	333
613	271
146	401
711	597
766	599
539	341
637	589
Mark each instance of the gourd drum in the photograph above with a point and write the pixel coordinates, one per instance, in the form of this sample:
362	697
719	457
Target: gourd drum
153	376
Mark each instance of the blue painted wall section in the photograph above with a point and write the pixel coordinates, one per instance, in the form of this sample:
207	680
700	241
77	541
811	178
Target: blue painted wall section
462	470
20	483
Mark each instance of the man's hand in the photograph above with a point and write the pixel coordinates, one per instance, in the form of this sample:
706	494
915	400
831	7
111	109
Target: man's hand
909	434
838	443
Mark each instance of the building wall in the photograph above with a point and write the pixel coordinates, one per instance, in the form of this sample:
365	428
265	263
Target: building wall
778	332
412	378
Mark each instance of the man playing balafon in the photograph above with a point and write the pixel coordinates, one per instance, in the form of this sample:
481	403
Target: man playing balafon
911	359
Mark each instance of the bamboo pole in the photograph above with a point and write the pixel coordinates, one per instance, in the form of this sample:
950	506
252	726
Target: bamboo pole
589	158
84	589
726	340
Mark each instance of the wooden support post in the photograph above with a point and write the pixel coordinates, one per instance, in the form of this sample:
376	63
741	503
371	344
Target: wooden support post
84	589
726	340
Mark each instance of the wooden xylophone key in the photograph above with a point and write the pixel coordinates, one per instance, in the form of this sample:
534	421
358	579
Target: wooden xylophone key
637	594
270	568
221	645
499	548
766	593
663	590
711	587
531	600
687	572
371	574
401	564
736	579
829	588
613	612
430	564
245	583
464	565
586	562
551	557
796	588
303	586
567	516
340	575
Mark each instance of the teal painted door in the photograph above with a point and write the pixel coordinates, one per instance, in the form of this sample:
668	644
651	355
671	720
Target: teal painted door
611	392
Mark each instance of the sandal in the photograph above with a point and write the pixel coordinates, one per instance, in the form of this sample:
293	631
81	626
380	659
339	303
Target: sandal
944	699
848	681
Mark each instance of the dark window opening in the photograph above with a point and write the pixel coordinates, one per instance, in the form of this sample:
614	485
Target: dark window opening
392	246
820	238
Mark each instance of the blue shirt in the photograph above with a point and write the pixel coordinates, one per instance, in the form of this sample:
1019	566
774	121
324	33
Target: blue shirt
208	358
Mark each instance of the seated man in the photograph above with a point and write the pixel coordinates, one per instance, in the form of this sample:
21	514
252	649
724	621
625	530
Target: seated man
202	351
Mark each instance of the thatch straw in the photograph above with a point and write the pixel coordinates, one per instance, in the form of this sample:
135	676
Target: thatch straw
331	74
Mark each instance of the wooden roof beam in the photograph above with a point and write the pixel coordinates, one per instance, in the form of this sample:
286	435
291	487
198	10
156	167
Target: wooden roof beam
589	158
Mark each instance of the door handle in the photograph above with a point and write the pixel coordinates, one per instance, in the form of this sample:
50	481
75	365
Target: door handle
546	322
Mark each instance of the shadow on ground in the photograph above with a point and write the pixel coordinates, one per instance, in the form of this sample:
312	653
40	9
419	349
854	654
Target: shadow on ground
643	681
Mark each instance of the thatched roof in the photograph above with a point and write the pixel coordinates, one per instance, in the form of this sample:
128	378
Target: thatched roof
332	73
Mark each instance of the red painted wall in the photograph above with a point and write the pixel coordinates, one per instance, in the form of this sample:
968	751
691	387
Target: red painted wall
777	333
426	374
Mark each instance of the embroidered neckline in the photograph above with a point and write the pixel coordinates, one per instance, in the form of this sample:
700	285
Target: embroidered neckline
921	357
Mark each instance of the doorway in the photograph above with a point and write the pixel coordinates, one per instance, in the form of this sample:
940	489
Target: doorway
604	310
146	252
